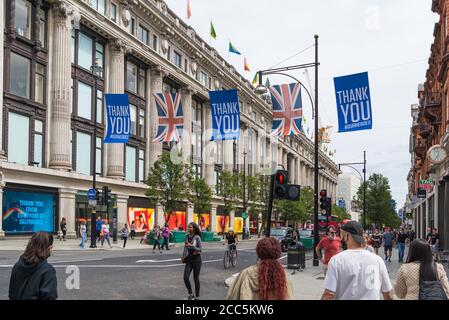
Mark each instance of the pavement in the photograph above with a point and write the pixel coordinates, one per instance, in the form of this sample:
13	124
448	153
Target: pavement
308	284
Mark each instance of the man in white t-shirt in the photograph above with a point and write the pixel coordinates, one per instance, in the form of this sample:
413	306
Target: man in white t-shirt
356	274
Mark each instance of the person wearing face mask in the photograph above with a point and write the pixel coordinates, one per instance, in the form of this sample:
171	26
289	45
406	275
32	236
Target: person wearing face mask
331	246
356	273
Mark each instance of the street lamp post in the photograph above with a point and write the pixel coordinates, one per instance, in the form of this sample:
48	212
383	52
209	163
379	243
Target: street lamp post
261	89
350	164
97	72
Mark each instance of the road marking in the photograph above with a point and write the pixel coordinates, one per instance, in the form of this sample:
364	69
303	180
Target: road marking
168	260
81	260
282	257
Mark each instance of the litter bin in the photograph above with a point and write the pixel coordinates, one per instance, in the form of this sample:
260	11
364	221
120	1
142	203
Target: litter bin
296	256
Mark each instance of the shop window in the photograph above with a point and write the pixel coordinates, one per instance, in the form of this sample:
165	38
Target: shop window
83	152
20	75
131	77
18	135
99	54
204	79
98	5
84	100
133	118
130	163
131	26
177	59
99	160
42	20
141	82
142	123
99	106
23	18
85	45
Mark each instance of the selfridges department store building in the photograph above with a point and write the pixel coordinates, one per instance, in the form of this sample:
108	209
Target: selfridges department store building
48	100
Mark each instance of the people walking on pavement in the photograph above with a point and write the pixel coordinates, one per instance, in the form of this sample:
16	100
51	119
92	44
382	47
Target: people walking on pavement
132	227
356	273
157	236
368	243
192	258
32	277
331	246
63	226
434	240
83	234
421	267
401	238
105	234
125	234
412	235
377	240
265	280
98	225
166	236
388	240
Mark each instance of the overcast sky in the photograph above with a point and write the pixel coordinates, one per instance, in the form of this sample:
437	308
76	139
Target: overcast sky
389	38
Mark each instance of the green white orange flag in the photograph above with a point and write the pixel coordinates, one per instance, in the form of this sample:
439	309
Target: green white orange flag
189	10
256	79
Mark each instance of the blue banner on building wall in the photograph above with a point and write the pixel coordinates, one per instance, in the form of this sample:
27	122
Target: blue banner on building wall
225	114
27	212
118	118
353	102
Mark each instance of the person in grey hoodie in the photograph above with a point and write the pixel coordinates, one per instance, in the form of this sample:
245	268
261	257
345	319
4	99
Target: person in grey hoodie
192	258
32	277
125	234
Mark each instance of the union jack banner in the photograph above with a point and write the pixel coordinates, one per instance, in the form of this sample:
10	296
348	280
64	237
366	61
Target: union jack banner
287	109
171	117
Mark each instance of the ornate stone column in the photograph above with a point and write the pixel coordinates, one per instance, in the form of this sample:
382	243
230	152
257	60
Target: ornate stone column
60	92
186	94
122	210
213	218
115	169
155	87
2	233
67	210
190	213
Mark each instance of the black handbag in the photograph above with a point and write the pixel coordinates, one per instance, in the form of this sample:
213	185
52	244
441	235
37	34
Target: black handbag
431	290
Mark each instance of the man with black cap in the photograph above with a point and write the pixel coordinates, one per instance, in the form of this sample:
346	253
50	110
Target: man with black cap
356	273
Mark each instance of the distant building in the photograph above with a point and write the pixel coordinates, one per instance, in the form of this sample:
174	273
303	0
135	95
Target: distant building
347	187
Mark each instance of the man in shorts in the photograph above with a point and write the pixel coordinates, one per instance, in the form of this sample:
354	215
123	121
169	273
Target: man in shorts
388	240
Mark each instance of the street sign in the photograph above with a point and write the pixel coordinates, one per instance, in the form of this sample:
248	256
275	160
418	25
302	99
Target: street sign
342	203
92	202
422	194
92	194
426	184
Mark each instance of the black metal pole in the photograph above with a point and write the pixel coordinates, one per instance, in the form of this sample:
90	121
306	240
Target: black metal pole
315	212
364	190
270	207
244	189
93	229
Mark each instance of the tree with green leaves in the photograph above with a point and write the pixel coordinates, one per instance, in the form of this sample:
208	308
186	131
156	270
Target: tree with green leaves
200	195
230	190
264	197
297	211
168	183
340	213
379	209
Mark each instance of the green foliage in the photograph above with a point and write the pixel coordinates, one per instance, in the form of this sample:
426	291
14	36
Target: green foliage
201	195
340	213
378	202
168	183
296	211
230	190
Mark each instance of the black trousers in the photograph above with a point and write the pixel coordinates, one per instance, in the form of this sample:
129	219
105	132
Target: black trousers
157	243
193	264
165	243
133	234
124	241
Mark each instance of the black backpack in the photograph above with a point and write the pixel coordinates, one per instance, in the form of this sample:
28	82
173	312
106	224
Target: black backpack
431	290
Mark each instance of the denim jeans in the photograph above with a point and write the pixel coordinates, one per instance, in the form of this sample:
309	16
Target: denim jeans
401	249
83	239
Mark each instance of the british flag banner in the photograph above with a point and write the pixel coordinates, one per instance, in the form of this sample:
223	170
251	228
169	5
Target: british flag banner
287	109
171	117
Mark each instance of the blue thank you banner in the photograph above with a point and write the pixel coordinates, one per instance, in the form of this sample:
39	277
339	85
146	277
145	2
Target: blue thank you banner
353	102
118	118
225	114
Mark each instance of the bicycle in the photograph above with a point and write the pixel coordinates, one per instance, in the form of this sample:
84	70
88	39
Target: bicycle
230	256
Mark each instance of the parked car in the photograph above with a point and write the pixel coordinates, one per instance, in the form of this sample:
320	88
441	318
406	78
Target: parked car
284	235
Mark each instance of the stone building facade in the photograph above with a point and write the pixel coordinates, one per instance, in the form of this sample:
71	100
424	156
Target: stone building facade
48	100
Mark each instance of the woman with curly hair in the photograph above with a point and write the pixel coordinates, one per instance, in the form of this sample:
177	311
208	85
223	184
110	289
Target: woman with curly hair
266	280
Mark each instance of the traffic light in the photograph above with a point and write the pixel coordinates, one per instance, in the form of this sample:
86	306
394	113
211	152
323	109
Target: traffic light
280	184
99	196
106	195
323	199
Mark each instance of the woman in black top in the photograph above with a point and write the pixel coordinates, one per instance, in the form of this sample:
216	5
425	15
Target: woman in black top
63	228
32	277
192	258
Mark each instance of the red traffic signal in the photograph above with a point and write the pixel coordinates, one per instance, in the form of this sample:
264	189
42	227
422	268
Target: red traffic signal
280	184
280	177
